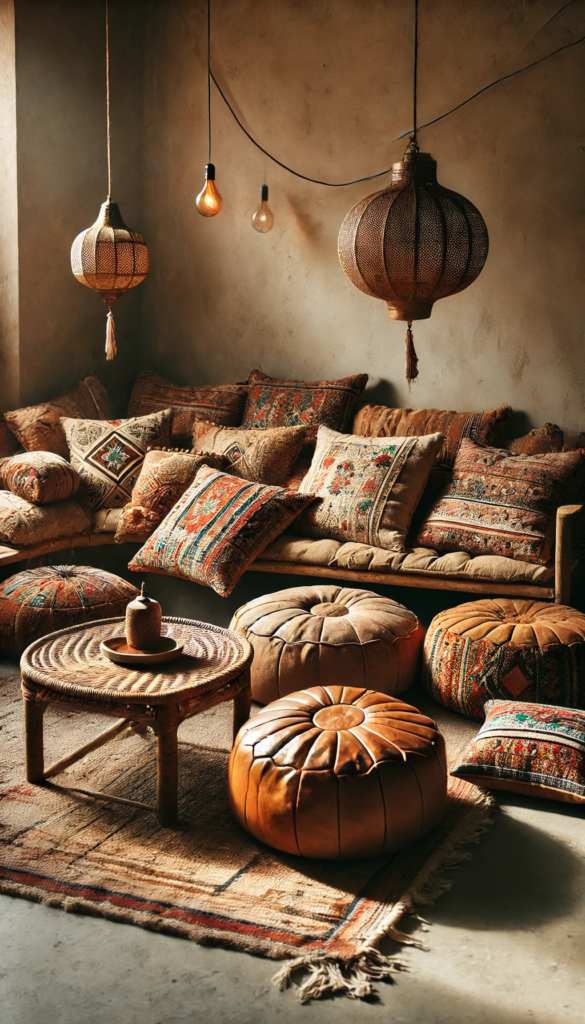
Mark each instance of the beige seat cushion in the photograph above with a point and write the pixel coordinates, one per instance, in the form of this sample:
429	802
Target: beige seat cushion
23	524
422	561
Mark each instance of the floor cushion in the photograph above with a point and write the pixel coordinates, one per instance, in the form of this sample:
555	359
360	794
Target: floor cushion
222	403
509	649
108	454
485	427
533	749
37	601
217	528
163	478
264	456
338	772
38	427
23	524
366	488
308	635
502	504
39	477
293	403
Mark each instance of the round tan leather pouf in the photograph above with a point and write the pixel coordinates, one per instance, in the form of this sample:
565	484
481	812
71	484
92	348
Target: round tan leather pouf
512	650
307	636
338	772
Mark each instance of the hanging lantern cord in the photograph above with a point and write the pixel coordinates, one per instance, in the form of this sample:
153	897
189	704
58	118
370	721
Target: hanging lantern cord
108	118
415	78
411	356
209	77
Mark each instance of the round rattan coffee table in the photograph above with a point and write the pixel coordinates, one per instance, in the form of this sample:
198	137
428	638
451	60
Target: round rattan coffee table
68	668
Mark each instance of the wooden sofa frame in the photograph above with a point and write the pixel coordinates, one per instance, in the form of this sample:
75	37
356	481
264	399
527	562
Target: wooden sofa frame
560	591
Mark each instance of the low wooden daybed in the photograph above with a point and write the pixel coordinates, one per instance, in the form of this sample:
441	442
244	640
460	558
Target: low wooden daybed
553	584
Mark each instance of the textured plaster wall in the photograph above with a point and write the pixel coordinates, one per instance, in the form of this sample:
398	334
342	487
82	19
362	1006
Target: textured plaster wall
9	336
62	181
326	86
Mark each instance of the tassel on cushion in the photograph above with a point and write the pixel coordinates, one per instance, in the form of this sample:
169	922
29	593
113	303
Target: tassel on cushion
411	356
111	346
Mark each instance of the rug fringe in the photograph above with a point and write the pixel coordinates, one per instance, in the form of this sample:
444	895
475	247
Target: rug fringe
327	974
354	976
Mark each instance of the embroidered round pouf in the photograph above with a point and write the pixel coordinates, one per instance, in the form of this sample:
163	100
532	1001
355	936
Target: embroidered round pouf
505	649
308	636
38	601
338	772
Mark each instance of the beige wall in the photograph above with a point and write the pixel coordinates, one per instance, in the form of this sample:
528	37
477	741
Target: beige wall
9	327
326	86
62	181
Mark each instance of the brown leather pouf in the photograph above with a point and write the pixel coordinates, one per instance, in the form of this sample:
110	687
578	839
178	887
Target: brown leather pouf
506	649
338	772
307	636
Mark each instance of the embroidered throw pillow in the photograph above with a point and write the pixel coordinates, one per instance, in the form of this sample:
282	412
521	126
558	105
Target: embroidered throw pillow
485	427
217	529
533	749
548	438
39	477
23	524
501	504
108	454
163	478
221	404
293	403
367	488
262	456
38	427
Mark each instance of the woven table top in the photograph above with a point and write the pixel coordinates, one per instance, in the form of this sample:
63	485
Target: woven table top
70	661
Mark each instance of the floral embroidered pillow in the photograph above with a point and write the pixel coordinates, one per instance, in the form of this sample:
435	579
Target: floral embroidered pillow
295	403
39	477
264	456
366	488
502	504
533	749
217	528
108	454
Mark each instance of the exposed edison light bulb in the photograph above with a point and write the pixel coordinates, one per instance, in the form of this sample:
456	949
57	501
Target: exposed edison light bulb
209	201
263	219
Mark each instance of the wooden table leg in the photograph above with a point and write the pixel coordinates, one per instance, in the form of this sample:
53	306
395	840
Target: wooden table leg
33	734
241	710
167	764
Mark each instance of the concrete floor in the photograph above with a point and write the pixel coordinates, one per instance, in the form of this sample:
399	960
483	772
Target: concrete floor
507	943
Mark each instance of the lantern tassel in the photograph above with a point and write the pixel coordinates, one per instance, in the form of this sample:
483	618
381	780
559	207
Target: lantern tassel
411	356
111	346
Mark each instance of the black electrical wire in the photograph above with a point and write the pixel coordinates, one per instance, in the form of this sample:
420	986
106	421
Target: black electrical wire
209	76
380	174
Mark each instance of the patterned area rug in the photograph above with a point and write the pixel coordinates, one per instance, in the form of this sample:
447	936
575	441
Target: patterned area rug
209	881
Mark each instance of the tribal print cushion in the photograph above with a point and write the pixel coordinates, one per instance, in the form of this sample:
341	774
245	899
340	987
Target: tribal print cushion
219	404
366	487
217	529
262	456
295	403
108	454
38	427
39	477
533	749
502	504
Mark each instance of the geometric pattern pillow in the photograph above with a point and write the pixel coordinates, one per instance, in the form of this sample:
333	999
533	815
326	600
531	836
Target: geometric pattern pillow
532	749
294	403
501	504
217	529
38	427
164	477
366	488
218	404
483	427
108	454
264	456
40	477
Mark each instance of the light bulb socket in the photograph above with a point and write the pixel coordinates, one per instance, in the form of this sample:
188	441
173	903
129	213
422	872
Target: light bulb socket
210	172
264	193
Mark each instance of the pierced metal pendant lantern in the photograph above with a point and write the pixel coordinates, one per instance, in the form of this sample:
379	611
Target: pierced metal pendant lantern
110	258
413	243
